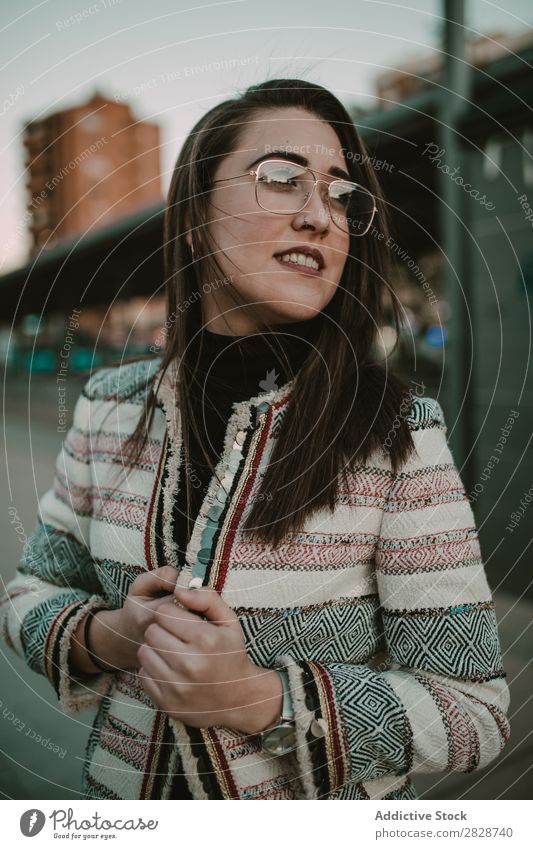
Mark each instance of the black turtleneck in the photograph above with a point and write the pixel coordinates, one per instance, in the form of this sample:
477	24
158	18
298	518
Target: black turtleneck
232	369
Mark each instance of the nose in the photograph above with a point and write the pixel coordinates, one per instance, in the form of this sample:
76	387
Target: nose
315	213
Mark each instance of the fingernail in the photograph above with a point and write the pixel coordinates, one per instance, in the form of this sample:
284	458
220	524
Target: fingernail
195	583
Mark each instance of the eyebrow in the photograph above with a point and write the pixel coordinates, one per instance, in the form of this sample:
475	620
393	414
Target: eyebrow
335	171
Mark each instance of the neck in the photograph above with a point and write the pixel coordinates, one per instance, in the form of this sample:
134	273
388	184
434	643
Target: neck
304	329
243	366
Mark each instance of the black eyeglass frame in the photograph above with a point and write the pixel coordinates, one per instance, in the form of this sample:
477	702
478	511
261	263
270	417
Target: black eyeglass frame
256	172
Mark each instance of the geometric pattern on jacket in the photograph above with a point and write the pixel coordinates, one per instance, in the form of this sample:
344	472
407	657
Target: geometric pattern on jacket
380	610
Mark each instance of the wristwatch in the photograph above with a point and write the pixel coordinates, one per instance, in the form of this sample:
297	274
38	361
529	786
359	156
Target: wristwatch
280	738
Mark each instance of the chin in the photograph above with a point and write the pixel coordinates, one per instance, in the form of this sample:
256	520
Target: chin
296	312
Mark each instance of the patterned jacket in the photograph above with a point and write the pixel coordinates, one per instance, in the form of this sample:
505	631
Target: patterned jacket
380	610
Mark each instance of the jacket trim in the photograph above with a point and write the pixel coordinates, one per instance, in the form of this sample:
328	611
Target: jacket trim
188	759
243	483
336	755
150	783
150	537
74	694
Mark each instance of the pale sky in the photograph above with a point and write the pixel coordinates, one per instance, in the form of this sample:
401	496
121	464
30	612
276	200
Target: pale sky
161	55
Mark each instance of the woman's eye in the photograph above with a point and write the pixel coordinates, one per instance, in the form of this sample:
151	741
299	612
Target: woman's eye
279	177
342	200
279	182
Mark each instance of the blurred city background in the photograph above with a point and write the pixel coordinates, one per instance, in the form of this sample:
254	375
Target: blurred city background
96	102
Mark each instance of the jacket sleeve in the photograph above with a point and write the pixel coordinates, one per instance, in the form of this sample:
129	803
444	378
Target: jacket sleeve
56	584
438	700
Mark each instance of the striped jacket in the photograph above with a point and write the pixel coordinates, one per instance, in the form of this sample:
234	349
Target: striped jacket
380	610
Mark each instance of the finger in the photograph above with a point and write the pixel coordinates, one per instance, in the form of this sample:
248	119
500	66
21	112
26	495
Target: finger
155	667
192	633
171	613
170	647
179	622
208	602
150	686
156	581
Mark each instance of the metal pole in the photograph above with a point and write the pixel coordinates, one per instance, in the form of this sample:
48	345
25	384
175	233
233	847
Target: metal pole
453	103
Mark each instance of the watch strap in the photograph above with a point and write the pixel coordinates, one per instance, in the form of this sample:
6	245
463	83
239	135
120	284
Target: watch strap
271	741
287	710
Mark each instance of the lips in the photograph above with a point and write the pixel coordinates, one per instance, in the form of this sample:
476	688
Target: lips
302	257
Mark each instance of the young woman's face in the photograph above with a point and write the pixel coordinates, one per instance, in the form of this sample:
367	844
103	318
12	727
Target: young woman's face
253	240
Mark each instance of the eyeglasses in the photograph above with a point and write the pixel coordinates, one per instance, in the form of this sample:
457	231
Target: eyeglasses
286	188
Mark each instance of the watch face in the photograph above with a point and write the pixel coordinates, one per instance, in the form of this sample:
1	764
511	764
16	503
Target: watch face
280	740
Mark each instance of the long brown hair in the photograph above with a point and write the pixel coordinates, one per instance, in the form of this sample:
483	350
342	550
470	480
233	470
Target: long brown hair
355	389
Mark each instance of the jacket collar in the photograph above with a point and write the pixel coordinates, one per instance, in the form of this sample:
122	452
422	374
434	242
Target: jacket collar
164	387
249	415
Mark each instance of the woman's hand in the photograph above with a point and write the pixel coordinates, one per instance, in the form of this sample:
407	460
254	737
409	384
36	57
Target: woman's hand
146	594
115	634
198	671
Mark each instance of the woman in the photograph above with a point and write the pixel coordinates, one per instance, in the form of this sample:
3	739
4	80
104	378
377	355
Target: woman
258	557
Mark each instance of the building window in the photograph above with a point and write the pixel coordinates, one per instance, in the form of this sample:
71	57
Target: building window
92	123
96	167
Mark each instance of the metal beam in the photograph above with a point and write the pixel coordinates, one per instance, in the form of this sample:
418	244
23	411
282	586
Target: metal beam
453	103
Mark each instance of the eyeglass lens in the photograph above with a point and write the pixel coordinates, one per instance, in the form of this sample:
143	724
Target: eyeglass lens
285	187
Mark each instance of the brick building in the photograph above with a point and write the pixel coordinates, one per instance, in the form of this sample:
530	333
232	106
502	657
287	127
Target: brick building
88	166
